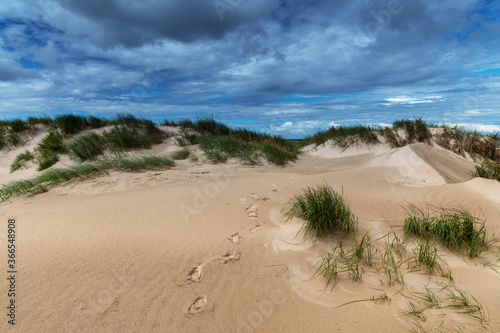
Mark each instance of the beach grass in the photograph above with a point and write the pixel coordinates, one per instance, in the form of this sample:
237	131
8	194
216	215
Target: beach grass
417	130
181	154
46	159
53	142
21	160
87	147
456	228
219	142
57	176
344	136
325	212
489	170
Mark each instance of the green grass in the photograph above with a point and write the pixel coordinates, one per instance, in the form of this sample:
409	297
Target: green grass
219	142
87	147
219	148
46	159
55	177
17	125
417	130
325	212
344	136
489	170
70	123
180	154
456	228
53	142
21	160
124	138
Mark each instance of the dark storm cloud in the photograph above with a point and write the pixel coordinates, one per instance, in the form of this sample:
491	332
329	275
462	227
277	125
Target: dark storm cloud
133	24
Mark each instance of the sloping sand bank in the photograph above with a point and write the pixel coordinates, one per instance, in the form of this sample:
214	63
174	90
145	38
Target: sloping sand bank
206	249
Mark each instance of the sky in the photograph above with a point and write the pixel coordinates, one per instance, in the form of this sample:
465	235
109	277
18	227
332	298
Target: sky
288	67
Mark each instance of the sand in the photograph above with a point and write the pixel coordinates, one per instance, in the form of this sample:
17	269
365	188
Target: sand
205	248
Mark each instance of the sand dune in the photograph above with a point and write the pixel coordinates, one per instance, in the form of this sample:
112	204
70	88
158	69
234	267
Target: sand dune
205	248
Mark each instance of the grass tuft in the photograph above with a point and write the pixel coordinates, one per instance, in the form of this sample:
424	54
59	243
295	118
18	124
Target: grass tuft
87	147
489	170
456	228
46	159
180	154
21	160
324	210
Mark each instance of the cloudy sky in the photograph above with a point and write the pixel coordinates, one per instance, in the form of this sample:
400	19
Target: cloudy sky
283	66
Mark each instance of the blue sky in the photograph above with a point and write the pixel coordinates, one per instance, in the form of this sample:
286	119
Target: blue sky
290	67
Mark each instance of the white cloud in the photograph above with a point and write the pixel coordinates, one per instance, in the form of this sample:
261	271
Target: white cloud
410	100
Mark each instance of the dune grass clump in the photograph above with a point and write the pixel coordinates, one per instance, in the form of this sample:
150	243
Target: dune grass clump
219	142
325	212
344	136
46	159
489	170
456	228
277	155
180	154
87	147
21	160
125	138
220	148
417	130
55	177
70	123
53	142
475	144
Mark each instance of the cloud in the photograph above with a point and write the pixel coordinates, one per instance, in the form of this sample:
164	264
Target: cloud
303	62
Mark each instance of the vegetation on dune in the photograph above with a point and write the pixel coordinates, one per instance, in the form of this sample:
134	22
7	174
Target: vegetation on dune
465	142
180	154
490	170
87	147
54	177
344	136
219	142
325	212
128	133
46	159
456	228
21	160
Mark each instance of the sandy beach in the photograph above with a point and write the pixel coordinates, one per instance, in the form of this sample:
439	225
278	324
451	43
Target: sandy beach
206	248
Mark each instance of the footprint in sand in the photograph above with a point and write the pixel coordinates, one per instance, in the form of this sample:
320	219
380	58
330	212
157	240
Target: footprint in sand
229	256
255	197
234	238
195	274
243	200
252	211
256	228
198	305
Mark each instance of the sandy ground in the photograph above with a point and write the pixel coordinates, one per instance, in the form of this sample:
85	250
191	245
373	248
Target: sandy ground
205	248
